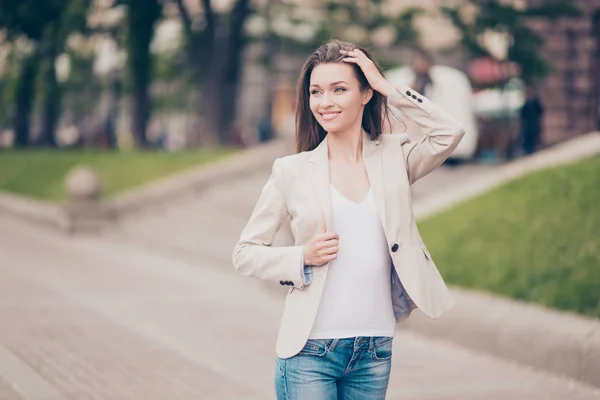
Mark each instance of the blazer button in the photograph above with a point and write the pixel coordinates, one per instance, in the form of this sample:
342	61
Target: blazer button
420	100
395	247
408	93
414	96
282	283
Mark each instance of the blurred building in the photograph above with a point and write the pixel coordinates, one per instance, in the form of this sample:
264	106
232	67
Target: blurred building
571	93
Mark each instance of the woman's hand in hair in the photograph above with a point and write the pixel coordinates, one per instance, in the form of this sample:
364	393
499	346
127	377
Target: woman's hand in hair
374	77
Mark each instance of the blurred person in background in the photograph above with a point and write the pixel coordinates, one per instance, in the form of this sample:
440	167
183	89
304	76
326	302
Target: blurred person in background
421	66
357	264
531	115
447	87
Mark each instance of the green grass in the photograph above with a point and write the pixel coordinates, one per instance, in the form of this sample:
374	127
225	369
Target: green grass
535	239
41	173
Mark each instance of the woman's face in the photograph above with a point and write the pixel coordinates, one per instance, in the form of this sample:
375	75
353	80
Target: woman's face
336	99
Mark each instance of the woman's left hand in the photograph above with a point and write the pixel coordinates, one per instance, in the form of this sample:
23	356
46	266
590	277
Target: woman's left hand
374	77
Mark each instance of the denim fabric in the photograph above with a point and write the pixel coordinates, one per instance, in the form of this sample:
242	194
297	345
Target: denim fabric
336	369
307	274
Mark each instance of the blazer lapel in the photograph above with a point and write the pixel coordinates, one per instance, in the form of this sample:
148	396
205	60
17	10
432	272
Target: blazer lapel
373	164
319	176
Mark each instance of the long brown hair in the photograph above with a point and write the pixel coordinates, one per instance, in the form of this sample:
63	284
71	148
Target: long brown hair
308	131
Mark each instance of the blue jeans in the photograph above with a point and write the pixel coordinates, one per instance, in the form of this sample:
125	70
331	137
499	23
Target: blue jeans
336	369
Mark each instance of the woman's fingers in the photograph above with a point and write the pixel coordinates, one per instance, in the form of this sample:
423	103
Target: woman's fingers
352	52
329	250
322	249
368	67
351	59
351	56
328	243
326	236
355	55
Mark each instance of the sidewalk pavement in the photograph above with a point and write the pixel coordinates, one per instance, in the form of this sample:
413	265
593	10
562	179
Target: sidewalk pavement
154	310
92	318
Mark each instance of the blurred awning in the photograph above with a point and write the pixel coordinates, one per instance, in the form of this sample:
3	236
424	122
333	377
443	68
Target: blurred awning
488	71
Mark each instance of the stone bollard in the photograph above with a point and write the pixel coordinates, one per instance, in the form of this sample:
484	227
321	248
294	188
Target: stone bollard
84	211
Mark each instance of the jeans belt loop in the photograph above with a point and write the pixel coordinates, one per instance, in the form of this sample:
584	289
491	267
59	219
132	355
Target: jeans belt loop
333	344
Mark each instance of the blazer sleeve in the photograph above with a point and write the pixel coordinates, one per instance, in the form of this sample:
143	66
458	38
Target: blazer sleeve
442	132
253	255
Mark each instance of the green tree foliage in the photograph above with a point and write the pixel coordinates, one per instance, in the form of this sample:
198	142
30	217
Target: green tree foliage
370	24
71	17
215	42
525	44
46	25
23	19
29	17
342	18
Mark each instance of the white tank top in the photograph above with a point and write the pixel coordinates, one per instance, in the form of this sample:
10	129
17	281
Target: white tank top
357	298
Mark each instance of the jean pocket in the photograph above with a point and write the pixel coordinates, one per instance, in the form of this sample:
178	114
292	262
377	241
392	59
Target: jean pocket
315	347
382	348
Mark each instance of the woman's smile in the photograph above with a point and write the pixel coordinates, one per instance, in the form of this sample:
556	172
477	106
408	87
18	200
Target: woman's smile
330	116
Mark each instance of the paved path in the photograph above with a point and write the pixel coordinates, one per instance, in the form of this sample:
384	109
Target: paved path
208	224
161	315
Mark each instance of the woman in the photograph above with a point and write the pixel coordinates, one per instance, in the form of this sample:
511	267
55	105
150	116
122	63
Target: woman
358	264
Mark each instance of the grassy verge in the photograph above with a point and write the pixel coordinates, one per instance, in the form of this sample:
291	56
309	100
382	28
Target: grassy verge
41	173
536	239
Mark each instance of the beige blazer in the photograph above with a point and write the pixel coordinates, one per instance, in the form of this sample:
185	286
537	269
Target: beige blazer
297	193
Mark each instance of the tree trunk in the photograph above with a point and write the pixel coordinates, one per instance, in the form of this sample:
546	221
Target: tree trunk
222	90
213	90
233	69
113	111
141	17
216	58
24	98
204	63
266	131
50	96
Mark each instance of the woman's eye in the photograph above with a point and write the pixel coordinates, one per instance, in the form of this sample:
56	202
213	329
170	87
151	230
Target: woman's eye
340	89
313	92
